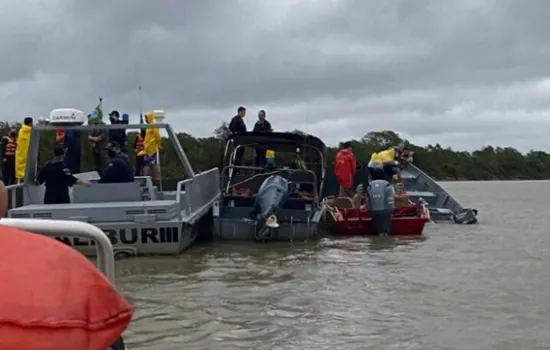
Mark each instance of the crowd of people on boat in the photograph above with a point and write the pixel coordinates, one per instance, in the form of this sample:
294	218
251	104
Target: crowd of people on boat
383	165
109	154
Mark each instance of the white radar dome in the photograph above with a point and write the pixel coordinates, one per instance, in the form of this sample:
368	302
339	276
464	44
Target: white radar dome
67	116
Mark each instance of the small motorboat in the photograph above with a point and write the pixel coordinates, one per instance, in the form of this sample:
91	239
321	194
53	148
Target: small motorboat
384	213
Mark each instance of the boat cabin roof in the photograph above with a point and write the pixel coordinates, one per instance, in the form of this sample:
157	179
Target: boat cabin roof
277	141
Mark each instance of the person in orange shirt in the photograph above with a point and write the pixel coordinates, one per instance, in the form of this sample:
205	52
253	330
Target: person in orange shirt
345	167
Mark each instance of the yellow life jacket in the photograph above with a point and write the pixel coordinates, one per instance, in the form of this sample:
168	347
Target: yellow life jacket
269	154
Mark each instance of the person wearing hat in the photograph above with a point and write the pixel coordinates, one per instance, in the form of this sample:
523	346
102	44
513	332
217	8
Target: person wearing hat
57	179
120	169
118	135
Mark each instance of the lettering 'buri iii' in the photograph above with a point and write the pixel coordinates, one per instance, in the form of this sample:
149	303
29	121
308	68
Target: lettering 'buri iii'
130	236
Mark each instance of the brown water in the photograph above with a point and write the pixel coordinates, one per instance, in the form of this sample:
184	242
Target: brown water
477	287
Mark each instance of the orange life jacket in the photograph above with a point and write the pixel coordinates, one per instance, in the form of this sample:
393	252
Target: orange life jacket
61	135
11	147
139	143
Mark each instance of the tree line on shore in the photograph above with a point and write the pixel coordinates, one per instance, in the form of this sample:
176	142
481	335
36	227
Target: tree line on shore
442	163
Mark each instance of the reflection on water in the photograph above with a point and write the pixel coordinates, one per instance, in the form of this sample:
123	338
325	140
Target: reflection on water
462	287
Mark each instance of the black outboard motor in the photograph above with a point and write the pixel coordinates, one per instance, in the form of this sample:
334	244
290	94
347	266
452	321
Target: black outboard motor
270	197
380	206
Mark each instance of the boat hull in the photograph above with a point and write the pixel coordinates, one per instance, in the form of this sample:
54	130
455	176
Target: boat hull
356	221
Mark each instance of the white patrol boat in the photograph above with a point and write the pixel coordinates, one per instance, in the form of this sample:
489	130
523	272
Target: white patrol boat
138	218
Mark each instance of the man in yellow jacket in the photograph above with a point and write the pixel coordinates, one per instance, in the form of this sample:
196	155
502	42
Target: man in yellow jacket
23	141
151	146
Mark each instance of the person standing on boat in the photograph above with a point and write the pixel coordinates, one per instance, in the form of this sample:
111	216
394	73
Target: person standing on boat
23	142
345	167
118	135
119	170
8	147
261	125
151	146
138	148
237	125
57	179
73	150
98	138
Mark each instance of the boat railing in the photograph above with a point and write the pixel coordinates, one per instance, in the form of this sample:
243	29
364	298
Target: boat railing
228	186
196	193
54	228
15	195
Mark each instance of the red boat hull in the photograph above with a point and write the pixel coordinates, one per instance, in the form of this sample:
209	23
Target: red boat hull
408	220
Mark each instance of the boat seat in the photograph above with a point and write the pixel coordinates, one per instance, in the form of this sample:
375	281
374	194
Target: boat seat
108	192
343	202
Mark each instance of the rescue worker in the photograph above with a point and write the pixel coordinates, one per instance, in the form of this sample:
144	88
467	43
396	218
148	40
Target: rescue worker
261	125
119	170
117	135
73	150
383	165
138	148
98	141
57	179
235	126
345	167
23	141
151	146
8	147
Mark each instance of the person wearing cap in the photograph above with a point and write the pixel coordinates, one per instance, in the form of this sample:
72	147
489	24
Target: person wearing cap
118	135
120	169
57	179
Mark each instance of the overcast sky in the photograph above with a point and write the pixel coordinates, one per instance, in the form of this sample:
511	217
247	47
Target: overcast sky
462	73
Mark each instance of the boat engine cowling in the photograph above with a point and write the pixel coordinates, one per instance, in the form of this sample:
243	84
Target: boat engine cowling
270	197
380	206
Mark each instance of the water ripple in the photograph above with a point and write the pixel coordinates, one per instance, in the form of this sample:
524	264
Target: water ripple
461	287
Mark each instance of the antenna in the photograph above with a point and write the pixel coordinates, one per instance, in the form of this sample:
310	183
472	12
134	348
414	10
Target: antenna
140	101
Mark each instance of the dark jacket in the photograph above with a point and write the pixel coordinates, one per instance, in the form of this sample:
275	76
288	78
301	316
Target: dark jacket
57	178
118	171
262	126
118	136
237	125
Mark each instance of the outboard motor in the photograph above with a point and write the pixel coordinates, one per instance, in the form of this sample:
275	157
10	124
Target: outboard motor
270	197
380	206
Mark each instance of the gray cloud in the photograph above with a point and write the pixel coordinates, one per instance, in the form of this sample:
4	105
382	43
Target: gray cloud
461	73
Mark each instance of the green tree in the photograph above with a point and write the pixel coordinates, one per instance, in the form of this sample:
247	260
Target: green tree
443	163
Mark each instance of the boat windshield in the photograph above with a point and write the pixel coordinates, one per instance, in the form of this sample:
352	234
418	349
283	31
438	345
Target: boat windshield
250	158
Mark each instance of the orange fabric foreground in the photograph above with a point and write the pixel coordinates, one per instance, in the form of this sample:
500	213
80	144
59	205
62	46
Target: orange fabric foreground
52	297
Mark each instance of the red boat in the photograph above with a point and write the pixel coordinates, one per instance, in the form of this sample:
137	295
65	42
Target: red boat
408	218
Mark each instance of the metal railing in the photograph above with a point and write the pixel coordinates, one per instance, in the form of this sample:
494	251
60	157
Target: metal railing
54	228
195	193
15	195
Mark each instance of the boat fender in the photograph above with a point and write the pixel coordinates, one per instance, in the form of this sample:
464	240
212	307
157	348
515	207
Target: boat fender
54	298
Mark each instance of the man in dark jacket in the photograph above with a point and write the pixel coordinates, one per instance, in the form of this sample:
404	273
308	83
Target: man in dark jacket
117	135
73	150
120	169
261	125
237	125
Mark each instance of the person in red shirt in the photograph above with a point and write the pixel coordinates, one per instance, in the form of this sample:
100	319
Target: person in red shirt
345	167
